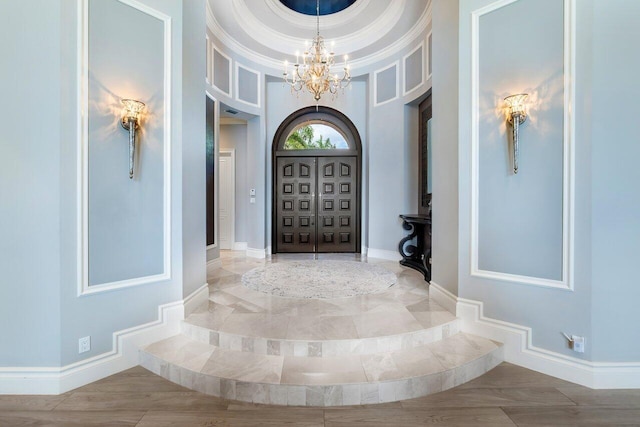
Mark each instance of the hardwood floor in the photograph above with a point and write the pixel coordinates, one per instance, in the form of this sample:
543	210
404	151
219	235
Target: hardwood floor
506	396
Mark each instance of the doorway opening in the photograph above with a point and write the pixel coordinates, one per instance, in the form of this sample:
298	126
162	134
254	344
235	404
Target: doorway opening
317	168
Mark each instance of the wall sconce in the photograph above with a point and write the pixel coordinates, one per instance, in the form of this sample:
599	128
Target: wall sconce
516	115
130	121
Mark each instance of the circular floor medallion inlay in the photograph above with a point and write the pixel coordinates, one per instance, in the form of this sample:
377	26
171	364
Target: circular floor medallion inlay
319	279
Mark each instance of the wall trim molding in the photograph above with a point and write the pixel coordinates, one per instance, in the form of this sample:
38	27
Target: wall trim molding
443	297
123	355
82	165
209	73
256	253
240	246
395	64
237	84
213	67
195	299
383	254
215	263
519	348
406	91
566	282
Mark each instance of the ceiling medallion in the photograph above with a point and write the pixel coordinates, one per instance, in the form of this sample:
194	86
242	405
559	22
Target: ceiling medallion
314	73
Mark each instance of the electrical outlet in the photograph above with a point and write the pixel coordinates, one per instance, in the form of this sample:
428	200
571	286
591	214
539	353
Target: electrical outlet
84	344
578	343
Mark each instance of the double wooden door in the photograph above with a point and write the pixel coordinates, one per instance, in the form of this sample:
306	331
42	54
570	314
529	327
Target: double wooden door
317	204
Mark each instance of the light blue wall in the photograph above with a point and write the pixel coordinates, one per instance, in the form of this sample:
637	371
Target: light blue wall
100	315
520	215
39	184
444	145
30	149
615	210
602	305
125	216
193	146
548	311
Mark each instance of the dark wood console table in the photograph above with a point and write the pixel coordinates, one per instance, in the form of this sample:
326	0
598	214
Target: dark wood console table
418	255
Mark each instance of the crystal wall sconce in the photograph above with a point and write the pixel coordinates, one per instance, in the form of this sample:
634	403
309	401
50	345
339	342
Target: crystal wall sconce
131	121
516	115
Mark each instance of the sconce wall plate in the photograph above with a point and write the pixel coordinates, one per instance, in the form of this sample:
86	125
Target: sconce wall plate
130	121
516	115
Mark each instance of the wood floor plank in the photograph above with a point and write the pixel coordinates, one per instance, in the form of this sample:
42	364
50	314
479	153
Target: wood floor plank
491	397
507	375
450	417
30	403
574	416
70	418
178	401
587	396
269	417
132	383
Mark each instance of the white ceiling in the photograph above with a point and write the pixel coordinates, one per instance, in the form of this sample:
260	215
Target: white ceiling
268	33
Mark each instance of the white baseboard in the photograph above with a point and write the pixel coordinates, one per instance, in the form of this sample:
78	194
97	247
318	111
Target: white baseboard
214	263
240	246
123	355
443	297
383	254
256	253
196	299
519	348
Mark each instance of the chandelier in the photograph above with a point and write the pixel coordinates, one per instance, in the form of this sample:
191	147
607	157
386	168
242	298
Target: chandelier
314	73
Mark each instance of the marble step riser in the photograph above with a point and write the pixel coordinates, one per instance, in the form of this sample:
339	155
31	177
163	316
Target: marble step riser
323	395
322	348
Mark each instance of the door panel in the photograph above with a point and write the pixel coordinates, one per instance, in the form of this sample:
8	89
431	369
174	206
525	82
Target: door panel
337	209
295	204
227	200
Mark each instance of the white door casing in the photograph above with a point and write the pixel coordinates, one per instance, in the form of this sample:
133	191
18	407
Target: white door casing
227	199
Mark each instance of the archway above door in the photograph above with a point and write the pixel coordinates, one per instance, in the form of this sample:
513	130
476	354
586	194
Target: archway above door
316	183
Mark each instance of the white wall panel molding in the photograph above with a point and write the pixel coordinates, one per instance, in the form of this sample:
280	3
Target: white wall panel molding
519	348
209	56
236	79
407	90
429	65
213	67
396	64
359	66
123	355
83	151
566	282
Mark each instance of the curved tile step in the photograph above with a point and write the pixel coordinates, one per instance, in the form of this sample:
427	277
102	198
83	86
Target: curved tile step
305	381
381	330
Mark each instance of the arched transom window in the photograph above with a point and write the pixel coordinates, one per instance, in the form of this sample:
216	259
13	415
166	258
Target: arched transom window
315	135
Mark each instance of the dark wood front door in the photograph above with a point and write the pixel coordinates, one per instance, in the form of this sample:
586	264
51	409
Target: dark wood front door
337	204
316	204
